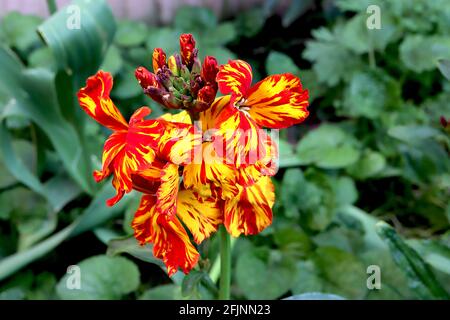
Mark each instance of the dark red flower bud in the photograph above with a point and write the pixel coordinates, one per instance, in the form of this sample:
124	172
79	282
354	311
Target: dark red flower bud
145	78
159	59
210	69
196	83
187	48
207	94
444	122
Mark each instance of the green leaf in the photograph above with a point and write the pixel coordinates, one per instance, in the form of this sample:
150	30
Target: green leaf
370	164
420	53
434	252
102	278
370	94
307	278
413	134
131	246
328	147
278	62
113	61
20	30
126	85
264	274
165	38
130	33
221	35
420	277
358	38
42	58
295	10
324	51
343	273
194	19
95	214
163	292
249	22
345	191
80	50
315	296
444	67
34	95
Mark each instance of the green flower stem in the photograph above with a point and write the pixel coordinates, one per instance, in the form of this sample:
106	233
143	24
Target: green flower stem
225	264
51	5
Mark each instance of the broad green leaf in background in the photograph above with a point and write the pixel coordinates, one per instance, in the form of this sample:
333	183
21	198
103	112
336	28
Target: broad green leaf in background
131	246
113	61
420	53
130	33
278	62
80	51
295	10
370	164
328	147
198	285
444	67
343	273
360	39
264	274
95	214
163	292
19	31
324	51
370	94
413	134
102	278
420	277
315	296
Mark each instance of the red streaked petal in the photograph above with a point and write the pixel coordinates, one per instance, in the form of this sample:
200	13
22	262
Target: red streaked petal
238	139
158	59
95	101
252	211
201	216
170	240
180	143
168	190
235	78
278	101
209	118
212	171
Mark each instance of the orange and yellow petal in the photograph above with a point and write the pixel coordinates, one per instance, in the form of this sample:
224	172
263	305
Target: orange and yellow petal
238	139
168	190
95	101
148	180
252	211
235	78
179	117
180	143
210	117
201	216
278	101
170	241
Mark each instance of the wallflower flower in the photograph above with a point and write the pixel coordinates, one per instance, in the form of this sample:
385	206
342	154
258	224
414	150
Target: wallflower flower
208	164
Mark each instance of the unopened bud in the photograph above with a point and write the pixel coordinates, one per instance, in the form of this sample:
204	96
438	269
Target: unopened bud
159	59
187	48
207	94
145	78
174	63
210	69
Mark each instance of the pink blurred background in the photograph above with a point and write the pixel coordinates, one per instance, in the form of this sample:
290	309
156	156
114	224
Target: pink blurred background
151	11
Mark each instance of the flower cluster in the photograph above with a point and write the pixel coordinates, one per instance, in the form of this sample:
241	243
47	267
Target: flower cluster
207	165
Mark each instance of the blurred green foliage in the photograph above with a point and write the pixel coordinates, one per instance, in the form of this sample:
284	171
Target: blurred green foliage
372	150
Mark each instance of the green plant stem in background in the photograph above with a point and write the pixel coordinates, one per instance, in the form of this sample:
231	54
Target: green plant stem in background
225	264
51	5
